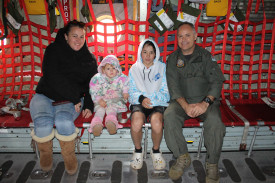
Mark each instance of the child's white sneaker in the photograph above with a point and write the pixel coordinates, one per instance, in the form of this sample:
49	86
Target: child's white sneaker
158	160
137	160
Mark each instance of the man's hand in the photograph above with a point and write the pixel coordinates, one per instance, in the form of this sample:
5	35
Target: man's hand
199	109
193	110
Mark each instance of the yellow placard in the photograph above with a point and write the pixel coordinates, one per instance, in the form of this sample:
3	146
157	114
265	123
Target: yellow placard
35	7
217	8
160	12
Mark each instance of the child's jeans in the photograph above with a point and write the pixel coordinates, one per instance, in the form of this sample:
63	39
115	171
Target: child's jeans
45	116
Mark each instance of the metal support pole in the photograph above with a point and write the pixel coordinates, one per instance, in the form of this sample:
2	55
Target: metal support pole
90	145
145	141
253	141
37	151
87	126
142	17
31	125
200	144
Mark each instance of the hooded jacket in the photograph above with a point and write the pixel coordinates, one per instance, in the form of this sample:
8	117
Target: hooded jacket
149	82
66	73
109	89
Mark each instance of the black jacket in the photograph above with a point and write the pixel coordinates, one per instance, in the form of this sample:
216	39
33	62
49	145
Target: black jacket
67	73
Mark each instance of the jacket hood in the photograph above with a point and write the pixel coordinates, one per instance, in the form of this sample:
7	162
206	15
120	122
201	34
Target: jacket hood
110	59
139	59
148	80
60	38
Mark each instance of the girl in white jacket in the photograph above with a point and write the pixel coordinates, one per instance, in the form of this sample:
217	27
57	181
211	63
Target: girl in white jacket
148	96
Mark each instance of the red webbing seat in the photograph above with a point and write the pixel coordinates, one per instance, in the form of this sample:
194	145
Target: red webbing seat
228	117
8	121
255	111
247	63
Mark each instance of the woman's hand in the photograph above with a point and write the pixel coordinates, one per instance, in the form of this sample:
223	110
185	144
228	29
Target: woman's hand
87	113
77	107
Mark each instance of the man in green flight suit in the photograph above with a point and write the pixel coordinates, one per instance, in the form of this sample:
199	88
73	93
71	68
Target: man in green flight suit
195	82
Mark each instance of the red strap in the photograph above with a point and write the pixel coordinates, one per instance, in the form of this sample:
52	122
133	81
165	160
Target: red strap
48	17
179	6
198	18
21	3
158	2
82	132
270	128
62	11
224	42
271	61
257	6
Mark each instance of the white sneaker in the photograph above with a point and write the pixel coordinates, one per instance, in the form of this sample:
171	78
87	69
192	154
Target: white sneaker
158	161
137	160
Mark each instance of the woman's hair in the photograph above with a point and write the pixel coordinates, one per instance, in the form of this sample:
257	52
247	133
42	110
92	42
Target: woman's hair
73	23
150	43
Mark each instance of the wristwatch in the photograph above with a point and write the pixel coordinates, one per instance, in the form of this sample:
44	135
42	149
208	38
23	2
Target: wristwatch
208	100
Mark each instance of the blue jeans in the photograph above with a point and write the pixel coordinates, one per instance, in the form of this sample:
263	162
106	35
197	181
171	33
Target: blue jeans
45	116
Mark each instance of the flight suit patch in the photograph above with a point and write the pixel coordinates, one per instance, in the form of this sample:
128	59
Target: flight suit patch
180	63
213	59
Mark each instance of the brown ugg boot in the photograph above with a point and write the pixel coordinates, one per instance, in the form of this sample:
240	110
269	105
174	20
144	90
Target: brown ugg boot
45	147
67	144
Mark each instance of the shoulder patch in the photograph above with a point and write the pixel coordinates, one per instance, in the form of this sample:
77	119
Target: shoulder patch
213	59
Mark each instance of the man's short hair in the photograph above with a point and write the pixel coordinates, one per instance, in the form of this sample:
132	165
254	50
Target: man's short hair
187	23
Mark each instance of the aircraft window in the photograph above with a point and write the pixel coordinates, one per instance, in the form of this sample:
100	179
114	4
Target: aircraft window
110	29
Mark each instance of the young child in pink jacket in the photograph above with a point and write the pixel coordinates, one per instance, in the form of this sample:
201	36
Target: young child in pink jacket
109	91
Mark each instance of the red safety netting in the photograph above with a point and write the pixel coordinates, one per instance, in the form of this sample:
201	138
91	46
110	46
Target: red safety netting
246	57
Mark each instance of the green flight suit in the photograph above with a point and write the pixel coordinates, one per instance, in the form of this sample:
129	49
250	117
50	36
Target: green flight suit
199	77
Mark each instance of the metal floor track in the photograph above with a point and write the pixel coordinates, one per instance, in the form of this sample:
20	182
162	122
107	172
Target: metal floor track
115	168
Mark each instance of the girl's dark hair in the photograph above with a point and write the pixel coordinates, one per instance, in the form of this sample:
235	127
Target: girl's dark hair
150	43
73	23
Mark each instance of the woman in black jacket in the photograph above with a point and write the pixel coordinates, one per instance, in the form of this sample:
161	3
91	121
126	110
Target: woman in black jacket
62	92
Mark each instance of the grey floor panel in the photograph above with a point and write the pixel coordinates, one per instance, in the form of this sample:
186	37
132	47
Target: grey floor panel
104	162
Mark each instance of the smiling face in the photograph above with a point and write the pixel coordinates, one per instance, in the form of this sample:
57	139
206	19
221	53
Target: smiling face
148	55
186	39
110	71
76	38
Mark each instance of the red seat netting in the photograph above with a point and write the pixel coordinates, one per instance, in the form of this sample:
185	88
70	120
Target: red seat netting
246	57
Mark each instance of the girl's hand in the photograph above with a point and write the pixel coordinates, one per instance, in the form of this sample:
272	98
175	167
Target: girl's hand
102	103
146	103
125	96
